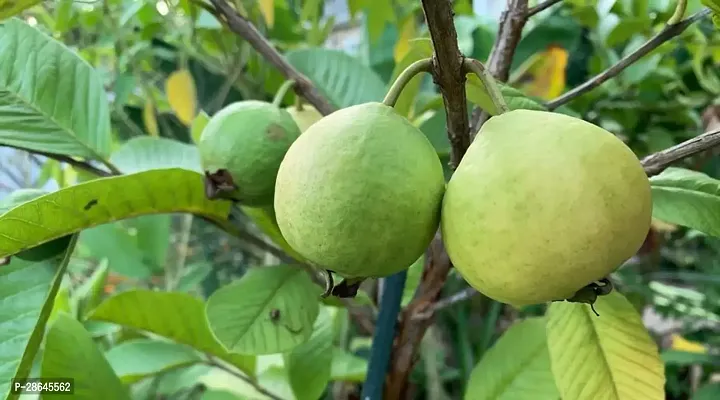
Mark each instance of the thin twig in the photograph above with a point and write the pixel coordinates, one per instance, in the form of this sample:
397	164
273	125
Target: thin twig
667	33
512	22
448	301
242	27
542	7
214	362
656	163
83	165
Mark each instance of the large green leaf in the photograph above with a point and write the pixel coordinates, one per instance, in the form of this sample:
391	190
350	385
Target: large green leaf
106	200
27	294
710	391
342	78
144	153
516	367
309	364
9	8
348	367
173	315
611	356
50	99
515	99
269	310
688	198
419	49
118	247
70	352
139	358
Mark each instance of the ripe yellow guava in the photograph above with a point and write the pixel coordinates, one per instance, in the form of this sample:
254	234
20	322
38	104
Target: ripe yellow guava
543	204
359	193
304	117
241	148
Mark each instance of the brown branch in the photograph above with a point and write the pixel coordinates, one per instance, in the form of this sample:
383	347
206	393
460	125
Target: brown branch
667	33
656	163
243	28
542	7
512	22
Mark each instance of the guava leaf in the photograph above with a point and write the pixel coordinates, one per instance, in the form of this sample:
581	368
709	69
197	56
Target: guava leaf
70	352
9	8
89	294
139	358
517	366
18	197
105	200
309	364
199	123
611	356
27	294
50	99
709	391
264	218
181	95
174	315
116	245
144	153
344	80
348	367
687	198
269	310
515	99
417	49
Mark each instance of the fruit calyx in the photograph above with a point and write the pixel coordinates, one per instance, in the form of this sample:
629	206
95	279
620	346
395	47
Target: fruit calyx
219	185
589	293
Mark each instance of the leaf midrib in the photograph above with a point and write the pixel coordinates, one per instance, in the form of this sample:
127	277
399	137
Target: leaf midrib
596	336
505	383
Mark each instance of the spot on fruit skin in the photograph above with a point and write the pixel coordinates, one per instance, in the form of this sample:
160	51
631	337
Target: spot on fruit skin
275	132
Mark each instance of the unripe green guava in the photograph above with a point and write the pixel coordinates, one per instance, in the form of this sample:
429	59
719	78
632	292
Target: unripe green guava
241	148
305	117
359	193
543	204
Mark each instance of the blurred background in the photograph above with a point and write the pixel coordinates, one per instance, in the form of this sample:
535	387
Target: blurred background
668	97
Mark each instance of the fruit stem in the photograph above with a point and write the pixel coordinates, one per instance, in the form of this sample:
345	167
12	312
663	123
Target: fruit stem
299	103
280	95
404	78
493	90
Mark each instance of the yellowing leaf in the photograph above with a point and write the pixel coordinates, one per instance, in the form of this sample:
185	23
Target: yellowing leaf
681	344
149	119
543	74
379	13
516	367
180	91
608	357
407	32
267	8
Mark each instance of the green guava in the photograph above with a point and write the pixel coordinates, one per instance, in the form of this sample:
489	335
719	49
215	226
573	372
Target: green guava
359	193
305	116
241	149
542	205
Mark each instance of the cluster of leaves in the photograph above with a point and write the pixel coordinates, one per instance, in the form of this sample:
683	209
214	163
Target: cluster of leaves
105	284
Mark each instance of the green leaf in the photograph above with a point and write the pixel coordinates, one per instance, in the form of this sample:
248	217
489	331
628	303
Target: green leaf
106	200
145	153
50	99
27	293
152	234
414	275
139	358
264	218
686	358
193	275
516	367
70	352
198	125
111	242
9	8
342	78
710	391
348	367
174	315
18	197
514	98
309	364
687	198
419	49
269	310
89	294
611	356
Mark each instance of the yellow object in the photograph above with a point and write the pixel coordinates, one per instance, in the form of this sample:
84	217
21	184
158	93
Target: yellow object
543	74
681	344
407	33
267	8
181	95
543	204
149	119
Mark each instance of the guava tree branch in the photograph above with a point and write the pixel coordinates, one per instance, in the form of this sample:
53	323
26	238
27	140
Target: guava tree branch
541	7
656	163
449	76
668	32
243	28
512	22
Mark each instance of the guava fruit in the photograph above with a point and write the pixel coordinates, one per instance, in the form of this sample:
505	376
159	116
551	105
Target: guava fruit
543	205
304	116
359	193
241	149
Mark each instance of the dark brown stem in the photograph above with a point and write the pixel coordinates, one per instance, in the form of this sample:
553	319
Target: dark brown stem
512	22
448	74
656	163
242	27
667	33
